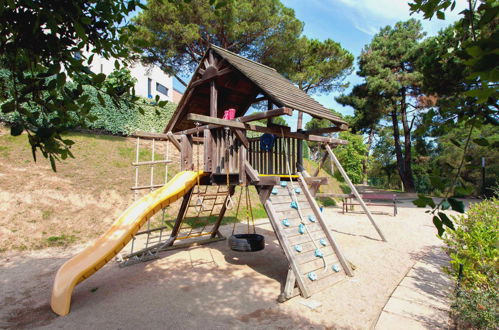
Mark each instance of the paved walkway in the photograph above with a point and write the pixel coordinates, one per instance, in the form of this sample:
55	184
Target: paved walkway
421	300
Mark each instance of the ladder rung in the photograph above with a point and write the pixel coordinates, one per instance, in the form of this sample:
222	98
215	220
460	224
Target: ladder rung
147	187
152	162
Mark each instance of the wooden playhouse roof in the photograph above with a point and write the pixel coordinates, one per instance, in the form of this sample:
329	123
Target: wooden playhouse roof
240	82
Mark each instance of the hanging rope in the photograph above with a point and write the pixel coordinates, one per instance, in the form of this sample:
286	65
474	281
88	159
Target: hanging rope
303	225
199	201
229	204
237	210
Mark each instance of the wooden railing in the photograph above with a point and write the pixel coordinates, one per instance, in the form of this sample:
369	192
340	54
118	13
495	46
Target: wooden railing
226	151
274	161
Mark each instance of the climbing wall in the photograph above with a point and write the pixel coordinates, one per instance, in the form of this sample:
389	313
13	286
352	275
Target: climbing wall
308	244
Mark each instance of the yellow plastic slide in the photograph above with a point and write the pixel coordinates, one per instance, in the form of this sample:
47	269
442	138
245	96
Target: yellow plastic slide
115	238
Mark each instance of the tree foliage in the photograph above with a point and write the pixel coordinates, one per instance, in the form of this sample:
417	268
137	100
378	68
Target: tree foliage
391	82
40	47
175	35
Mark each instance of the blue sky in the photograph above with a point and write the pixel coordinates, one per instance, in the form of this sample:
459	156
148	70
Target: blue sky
353	23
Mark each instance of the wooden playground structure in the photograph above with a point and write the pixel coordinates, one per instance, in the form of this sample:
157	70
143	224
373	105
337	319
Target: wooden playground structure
238	149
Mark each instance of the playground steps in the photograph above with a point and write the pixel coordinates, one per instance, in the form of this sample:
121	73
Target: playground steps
311	273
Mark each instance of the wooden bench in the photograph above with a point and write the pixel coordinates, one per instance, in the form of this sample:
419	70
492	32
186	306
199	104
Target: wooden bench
371	199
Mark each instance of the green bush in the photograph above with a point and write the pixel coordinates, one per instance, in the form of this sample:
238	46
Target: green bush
117	118
125	118
474	245
477	309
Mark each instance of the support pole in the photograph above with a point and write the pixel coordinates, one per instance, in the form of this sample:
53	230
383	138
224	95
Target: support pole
354	191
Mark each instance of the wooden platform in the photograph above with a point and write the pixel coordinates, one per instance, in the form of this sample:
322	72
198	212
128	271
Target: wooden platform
304	263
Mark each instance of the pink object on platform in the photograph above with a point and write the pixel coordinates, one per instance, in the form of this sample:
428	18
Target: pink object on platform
232	113
226	115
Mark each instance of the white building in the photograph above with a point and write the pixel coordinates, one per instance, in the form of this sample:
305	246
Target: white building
151	80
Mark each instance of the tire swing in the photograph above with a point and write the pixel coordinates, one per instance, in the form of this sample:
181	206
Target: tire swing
249	242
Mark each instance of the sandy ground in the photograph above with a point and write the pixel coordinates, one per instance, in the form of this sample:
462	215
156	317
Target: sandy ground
213	287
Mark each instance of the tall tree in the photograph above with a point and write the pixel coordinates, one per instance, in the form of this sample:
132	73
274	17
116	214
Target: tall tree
315	66
368	111
175	35
388	67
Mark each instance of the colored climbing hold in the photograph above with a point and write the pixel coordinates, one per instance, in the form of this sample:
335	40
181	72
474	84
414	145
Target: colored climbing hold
322	209
284	184
285	222
294	205
311	218
323	242
297	190
275	191
301	228
336	268
298	248
312	276
318	253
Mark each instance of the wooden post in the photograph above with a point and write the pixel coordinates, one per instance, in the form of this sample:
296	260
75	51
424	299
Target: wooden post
186	153
209	145
354	191
214	233
299	153
181	214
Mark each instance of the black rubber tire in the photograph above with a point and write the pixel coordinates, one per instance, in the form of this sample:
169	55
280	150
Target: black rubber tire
247	242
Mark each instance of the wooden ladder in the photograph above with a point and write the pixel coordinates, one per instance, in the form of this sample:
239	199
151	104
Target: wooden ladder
278	207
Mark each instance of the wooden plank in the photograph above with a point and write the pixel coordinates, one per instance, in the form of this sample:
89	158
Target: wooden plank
320	180
309	255
290	284
152	162
305	238
285	246
265	114
315	264
251	172
354	191
325	228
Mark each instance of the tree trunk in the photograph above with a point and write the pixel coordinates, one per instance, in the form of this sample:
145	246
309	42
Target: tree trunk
364	162
398	148
408	178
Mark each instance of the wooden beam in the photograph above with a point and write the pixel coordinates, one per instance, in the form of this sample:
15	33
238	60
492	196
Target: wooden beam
251	172
354	191
241	135
148	135
265	114
325	228
211	77
173	139
322	180
262	129
216	226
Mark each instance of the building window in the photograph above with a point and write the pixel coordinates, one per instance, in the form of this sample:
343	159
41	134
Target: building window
149	92
162	89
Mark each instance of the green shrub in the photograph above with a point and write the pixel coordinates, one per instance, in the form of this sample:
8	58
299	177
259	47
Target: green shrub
477	309
474	245
117	118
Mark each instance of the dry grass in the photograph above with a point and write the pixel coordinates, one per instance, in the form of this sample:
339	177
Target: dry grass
41	208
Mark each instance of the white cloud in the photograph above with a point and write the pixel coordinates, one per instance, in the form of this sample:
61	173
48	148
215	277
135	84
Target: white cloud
369	16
